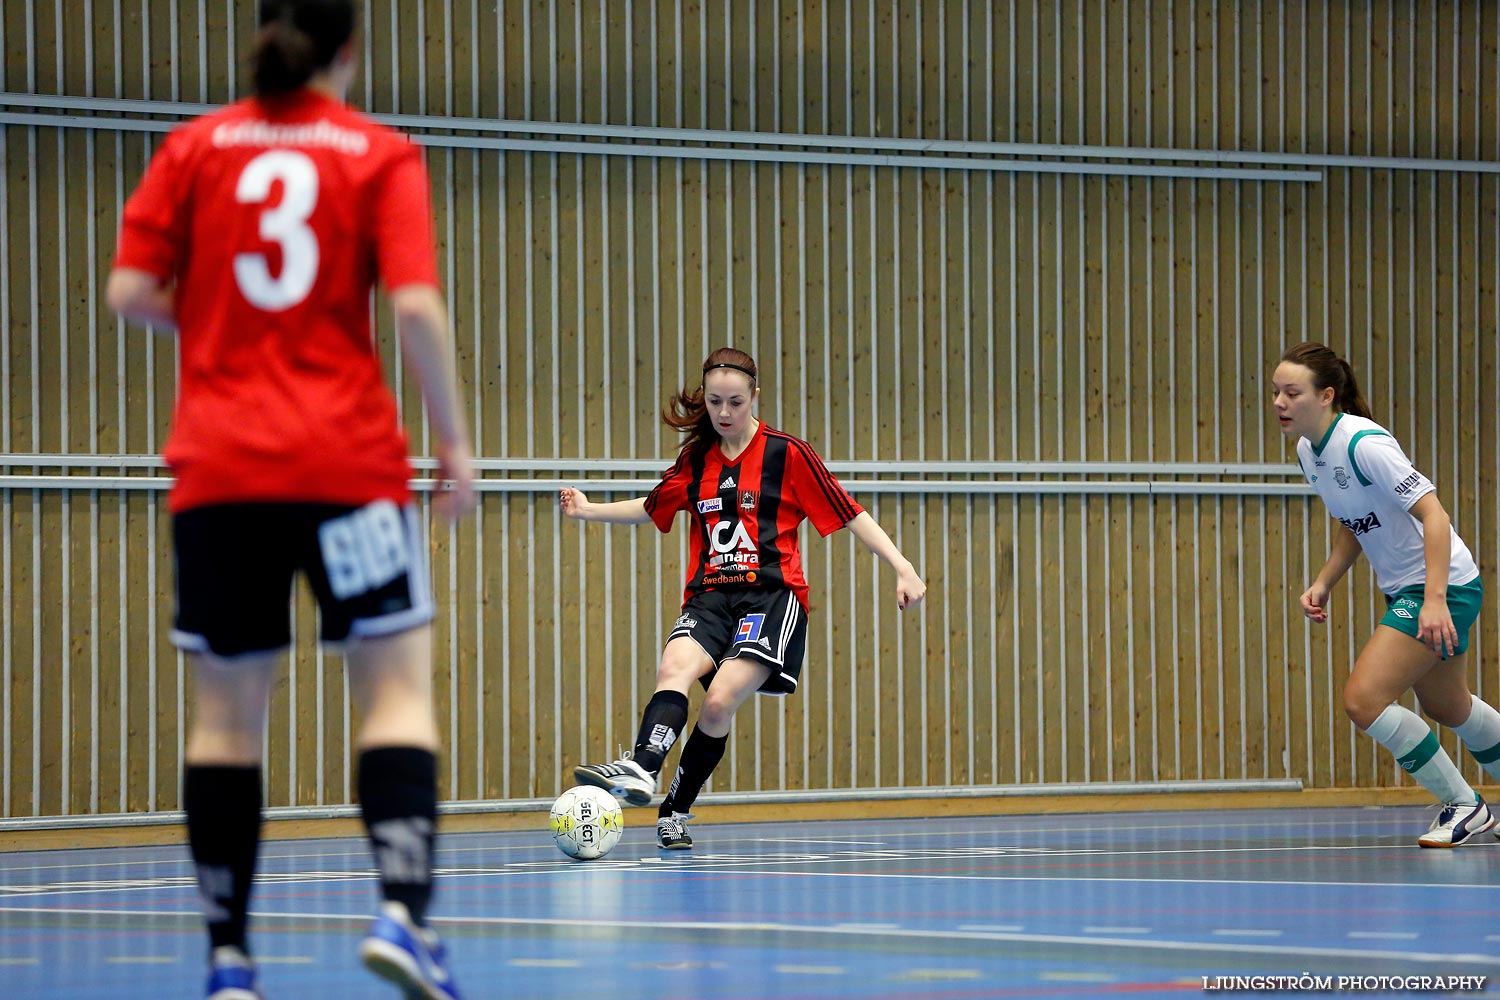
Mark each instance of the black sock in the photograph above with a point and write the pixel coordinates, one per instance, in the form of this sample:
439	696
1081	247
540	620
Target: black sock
699	758
223	821
662	722
398	797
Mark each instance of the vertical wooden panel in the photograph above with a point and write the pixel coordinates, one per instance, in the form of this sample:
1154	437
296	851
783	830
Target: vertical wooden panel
919	315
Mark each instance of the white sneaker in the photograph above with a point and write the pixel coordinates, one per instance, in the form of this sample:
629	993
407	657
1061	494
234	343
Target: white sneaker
672	834
624	779
1456	823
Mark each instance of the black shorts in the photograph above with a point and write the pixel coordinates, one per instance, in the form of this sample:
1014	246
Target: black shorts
236	562
767	625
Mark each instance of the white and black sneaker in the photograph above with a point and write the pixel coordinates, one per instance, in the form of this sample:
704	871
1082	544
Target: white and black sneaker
1458	822
624	779
671	832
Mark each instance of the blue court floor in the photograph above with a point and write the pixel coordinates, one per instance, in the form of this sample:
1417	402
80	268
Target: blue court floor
1144	904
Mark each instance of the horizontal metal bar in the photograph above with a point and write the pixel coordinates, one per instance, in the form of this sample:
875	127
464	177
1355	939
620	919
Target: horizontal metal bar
657	466
988	487
17	824
660	134
737	154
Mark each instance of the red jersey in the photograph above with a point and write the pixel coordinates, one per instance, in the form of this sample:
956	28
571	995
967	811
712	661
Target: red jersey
274	220
745	513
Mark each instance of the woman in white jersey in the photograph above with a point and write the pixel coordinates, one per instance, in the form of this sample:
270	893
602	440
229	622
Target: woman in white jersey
1391	513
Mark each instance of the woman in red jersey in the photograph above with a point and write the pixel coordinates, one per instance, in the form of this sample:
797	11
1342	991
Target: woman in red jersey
743	627
257	233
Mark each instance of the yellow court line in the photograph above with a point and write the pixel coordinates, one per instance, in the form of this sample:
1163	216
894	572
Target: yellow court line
939	974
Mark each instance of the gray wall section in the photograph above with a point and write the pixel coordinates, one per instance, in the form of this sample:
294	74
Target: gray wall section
921	314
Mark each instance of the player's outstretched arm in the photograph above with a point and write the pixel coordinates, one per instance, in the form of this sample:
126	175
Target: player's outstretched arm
140	297
427	346
576	504
909	586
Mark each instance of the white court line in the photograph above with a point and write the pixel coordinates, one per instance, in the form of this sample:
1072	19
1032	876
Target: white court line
1007	850
1245	932
1384	935
737	865
810	840
740	927
1216	826
19	961
810	970
1117	930
284	960
142	960
992	928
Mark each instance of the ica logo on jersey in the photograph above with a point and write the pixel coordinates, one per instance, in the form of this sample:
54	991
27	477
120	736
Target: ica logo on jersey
732	546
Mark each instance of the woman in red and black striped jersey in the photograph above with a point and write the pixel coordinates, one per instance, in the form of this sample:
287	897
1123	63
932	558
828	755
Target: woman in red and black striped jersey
743	626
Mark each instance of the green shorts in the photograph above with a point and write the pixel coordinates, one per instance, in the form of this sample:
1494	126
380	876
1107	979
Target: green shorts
1405	607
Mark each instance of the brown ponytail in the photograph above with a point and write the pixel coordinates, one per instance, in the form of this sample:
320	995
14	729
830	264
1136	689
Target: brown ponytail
297	38
685	410
1330	371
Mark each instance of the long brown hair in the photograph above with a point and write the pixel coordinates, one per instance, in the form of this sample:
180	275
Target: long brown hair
1330	371
686	411
297	38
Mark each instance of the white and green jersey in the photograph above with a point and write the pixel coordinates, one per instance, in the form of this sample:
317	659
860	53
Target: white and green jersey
1369	485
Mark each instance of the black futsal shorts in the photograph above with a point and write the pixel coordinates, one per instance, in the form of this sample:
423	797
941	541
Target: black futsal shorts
761	624
367	566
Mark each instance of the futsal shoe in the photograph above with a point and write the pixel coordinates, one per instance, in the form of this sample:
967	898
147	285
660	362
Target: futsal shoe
407	956
1457	823
624	779
671	832
231	975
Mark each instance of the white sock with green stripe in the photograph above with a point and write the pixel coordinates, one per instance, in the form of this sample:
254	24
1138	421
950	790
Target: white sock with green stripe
1403	733
1481	734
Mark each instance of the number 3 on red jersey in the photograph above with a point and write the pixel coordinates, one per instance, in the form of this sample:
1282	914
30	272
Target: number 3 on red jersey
285	225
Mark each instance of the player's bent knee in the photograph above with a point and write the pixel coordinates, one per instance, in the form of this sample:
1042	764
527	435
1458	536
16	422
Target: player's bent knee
1361	708
714	716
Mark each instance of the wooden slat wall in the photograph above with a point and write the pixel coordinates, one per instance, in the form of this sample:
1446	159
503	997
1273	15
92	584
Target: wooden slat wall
896	313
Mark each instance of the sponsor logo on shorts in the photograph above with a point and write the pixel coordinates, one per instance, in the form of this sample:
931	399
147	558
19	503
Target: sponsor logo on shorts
709	506
1400	606
764	642
750	628
365	549
684	622
1408	484
1341	477
1361	525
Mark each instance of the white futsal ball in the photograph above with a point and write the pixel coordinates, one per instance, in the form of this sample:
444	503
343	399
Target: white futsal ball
586	822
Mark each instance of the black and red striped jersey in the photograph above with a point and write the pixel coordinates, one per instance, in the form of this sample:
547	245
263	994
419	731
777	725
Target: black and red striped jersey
744	513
